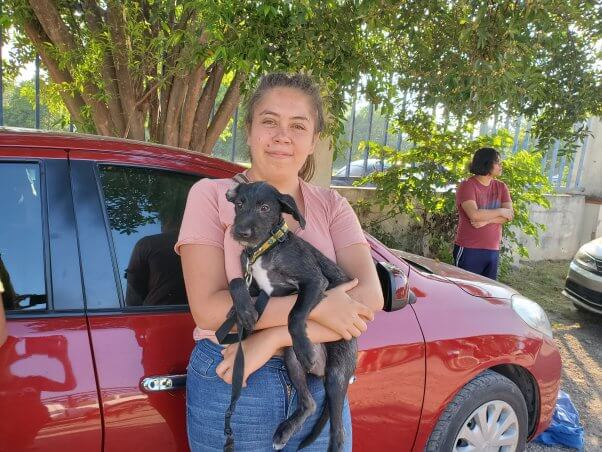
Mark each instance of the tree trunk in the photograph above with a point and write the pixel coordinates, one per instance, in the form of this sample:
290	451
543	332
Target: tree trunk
192	100
203	110
74	103
125	80
94	20
222	116
174	107
55	29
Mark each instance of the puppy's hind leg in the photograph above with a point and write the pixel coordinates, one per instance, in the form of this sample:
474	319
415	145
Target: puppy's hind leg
336	388
306	404
340	366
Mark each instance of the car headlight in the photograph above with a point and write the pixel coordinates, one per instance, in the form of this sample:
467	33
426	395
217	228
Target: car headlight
532	314
585	260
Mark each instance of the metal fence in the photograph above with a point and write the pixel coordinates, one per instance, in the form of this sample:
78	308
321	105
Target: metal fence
564	172
365	123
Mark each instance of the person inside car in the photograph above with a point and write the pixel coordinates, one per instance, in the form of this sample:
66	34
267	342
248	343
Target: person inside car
284	120
7	297
3	329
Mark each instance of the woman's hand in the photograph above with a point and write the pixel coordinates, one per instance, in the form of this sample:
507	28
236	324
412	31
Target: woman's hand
258	348
341	313
479	224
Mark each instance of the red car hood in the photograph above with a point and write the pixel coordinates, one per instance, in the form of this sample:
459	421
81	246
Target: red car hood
474	284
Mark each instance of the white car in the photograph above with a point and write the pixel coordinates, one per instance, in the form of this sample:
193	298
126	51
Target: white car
583	284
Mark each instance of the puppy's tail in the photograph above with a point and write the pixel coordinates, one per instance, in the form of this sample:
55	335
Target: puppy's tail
320	423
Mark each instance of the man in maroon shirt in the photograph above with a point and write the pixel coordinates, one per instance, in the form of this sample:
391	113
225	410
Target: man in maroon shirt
484	204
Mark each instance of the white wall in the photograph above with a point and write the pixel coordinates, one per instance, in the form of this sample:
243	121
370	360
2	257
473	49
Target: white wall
564	222
323	156
591	181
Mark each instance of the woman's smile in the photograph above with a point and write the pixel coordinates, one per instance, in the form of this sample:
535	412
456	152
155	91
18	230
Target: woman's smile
277	154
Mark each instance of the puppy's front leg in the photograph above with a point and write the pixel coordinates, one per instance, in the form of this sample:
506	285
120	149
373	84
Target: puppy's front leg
243	304
310	294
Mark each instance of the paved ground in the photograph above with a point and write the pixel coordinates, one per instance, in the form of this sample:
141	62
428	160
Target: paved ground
579	338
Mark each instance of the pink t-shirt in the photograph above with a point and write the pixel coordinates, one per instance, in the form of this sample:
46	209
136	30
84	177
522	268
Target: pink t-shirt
331	224
491	196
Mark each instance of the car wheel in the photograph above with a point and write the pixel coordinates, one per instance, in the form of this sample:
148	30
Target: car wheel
488	414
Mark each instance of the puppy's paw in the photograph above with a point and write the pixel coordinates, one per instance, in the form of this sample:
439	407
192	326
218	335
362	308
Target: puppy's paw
283	433
247	316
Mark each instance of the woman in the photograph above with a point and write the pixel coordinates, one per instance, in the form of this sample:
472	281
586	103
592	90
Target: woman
284	120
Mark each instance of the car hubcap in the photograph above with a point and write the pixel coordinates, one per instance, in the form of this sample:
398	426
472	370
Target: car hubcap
492	427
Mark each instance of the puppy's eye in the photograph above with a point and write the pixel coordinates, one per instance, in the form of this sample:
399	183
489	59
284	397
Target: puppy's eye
238	204
264	208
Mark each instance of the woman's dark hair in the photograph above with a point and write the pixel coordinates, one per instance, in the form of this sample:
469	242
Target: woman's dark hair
483	160
306	85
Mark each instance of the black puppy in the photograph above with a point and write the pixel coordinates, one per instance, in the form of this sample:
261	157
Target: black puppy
281	264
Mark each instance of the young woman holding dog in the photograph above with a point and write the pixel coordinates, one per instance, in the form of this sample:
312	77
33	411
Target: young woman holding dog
284	121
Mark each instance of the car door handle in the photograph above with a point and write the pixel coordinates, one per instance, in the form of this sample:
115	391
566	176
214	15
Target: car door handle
163	383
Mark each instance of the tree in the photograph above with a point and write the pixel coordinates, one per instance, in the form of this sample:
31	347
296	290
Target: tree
154	69
19	108
421	183
477	58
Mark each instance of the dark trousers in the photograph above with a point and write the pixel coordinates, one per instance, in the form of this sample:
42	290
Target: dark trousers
476	260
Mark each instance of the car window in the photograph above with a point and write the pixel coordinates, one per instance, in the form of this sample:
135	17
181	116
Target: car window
145	208
21	238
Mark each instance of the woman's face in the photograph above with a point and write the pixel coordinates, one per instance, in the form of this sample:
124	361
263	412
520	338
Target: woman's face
282	135
496	168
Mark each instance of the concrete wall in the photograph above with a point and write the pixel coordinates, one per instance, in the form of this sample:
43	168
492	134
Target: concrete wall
323	157
592	221
591	180
564	222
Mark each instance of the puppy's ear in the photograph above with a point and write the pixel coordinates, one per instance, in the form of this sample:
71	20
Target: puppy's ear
231	193
290	206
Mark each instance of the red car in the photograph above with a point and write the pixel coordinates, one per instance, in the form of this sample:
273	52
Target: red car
96	356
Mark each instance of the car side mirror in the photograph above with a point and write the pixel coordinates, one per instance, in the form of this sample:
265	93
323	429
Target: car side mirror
396	288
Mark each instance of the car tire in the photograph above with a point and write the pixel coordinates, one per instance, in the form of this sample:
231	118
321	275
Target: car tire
482	396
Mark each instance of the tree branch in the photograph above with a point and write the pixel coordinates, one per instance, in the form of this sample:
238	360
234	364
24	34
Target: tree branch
94	19
174	107
195	85
127	94
74	102
203	110
224	112
50	20
139	106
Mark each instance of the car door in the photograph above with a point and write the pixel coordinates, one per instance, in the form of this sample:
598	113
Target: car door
128	216
48	396
387	395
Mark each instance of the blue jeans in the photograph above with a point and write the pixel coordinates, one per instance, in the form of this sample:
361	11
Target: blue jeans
476	260
266	401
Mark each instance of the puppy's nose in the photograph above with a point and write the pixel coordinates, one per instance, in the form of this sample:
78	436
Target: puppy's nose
243	232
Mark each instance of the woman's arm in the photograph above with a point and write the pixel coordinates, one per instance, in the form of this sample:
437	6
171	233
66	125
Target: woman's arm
356	262
210	300
476	214
497	220
261	346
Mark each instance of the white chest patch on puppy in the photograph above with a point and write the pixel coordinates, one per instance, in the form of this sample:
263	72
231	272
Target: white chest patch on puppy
260	275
